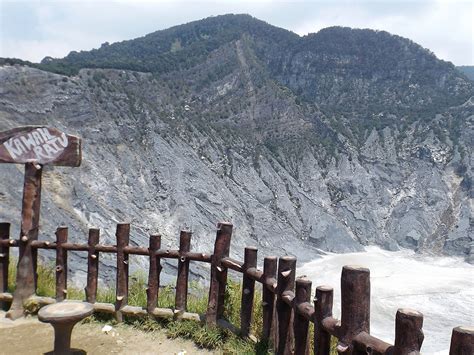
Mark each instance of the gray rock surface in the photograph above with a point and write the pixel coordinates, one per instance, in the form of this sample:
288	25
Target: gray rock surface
163	157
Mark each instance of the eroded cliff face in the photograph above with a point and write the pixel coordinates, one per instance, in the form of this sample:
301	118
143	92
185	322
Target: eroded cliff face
189	149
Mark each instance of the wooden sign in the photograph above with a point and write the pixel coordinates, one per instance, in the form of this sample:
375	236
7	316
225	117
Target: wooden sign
33	146
41	145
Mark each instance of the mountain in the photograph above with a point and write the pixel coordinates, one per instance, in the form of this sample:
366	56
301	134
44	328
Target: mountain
468	70
327	142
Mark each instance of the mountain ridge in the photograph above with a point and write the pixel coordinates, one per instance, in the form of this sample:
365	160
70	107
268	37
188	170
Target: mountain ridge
304	150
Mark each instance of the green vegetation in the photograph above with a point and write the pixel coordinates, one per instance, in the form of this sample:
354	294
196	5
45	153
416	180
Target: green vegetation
205	337
177	48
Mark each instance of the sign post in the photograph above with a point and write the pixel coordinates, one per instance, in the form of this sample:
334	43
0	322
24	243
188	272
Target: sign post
33	146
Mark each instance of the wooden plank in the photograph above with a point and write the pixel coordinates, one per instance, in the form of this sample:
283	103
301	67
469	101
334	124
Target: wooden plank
248	290
286	282
233	264
462	341
215	307
254	274
41	145
6	297
136	250
323	310
123	238
43	244
27	260
408	332
4	260
364	343
268	300
183	271
355	303
92	265
153	273
61	264
106	248
301	323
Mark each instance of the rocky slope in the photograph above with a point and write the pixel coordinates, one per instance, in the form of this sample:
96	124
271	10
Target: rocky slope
327	142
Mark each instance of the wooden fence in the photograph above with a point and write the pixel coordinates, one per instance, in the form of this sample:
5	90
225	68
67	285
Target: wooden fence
286	300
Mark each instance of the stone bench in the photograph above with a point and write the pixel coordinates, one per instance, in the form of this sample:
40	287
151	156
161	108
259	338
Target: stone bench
63	316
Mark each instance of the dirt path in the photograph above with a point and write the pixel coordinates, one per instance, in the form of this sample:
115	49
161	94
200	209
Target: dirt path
29	336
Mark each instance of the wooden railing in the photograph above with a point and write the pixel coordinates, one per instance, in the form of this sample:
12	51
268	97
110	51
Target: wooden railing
286	300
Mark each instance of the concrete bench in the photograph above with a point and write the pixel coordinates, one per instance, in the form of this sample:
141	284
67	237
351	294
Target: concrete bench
63	316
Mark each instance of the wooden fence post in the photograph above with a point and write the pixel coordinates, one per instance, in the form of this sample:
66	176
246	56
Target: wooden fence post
322	309
408	332
215	307
462	341
153	273
123	237
61	263
355	304
268	299
92	265
286	282
301	323
248	290
183	272
4	260
26	276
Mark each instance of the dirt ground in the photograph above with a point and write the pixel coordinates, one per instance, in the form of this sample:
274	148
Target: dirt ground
30	336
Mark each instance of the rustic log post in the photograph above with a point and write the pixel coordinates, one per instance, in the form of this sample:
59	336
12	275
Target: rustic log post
61	263
123	237
215	307
462	341
153	273
268	299
183	271
26	276
248	290
301	323
92	265
355	304
4	260
408	332
323	309
286	282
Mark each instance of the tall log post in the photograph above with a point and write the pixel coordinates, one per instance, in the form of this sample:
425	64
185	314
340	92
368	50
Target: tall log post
61	263
286	282
183	272
301	324
123	238
268	300
92	265
248	290
4	260
153	273
323	308
355	304
26	276
215	307
408	332
462	341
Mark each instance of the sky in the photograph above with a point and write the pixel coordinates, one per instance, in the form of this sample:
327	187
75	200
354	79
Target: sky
34	29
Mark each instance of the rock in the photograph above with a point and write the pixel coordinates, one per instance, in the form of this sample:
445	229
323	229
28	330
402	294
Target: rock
256	149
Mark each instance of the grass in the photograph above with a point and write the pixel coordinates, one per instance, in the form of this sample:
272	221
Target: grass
203	336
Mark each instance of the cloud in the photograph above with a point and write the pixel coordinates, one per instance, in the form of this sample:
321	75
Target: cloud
33	29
